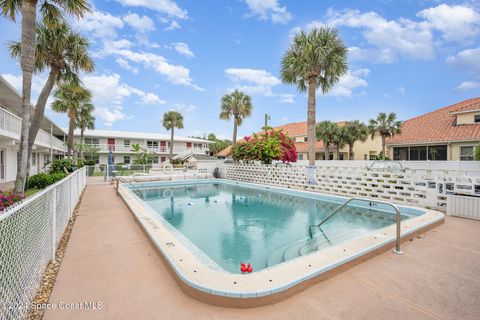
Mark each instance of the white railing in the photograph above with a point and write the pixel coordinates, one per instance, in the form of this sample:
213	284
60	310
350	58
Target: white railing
10	126
120	148
29	235
425	186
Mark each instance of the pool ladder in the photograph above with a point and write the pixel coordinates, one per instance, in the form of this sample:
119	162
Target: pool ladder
136	190
395	207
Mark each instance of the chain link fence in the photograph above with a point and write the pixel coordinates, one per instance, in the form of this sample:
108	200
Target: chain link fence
29	234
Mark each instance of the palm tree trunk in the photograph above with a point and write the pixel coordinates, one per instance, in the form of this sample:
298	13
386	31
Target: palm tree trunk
234	139
82	133
40	110
171	144
311	123
383	147
350	151
71	126
27	63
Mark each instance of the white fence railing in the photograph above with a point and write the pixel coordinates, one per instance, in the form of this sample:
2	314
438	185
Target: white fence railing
29	234
10	126
162	149
427	186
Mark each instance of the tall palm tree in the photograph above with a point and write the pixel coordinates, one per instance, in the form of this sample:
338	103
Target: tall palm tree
339	140
171	120
327	132
51	13
84	120
315	60
70	97
386	126
354	131
65	53
236	105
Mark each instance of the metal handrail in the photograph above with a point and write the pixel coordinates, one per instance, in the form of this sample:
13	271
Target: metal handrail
395	207
117	180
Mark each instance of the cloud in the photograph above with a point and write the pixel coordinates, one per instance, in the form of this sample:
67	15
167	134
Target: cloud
99	24
109	94
183	49
347	84
173	26
269	10
176	74
253	81
468	85
140	24
168	7
184	108
287	98
125	65
400	90
389	38
468	60
456	22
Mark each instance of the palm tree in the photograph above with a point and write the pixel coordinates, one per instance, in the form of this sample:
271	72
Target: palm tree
171	120
65	53
51	13
84	119
339	140
354	131
315	60
236	105
327	132
386	126
70	97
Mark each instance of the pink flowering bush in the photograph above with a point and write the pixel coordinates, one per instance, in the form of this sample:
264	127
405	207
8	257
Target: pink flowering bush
266	147
9	198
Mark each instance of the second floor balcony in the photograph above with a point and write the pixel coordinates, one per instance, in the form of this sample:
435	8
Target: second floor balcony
10	126
120	148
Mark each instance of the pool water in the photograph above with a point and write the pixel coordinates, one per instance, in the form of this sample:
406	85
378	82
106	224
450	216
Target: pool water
237	223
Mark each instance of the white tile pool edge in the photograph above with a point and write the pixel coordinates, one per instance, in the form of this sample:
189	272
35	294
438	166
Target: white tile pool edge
272	280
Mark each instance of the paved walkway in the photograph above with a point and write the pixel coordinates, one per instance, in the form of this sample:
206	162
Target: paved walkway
109	259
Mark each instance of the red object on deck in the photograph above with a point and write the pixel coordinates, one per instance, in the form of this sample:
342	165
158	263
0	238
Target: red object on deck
249	268
243	268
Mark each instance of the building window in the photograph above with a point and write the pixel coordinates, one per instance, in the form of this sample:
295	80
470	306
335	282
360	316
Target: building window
437	153
300	157
305	139
152	144
34	159
95	158
46	158
155	160
92	141
126	159
373	157
126	143
476	118
466	153
418	153
340	156
400	153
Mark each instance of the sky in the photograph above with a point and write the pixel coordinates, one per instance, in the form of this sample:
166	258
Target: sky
407	57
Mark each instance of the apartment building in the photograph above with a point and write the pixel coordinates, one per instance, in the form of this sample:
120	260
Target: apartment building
448	133
49	143
120	143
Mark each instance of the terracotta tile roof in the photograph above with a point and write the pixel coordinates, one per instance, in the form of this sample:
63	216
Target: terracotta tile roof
439	126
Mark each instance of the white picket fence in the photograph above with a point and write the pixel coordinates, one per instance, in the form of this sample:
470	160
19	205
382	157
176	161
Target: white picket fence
424	185
29	235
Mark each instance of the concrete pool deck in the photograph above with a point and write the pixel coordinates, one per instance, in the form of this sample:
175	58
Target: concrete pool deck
110	259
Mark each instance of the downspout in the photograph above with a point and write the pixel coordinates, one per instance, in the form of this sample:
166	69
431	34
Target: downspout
51	141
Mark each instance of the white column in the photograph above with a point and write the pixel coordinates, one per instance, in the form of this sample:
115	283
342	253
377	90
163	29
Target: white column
51	142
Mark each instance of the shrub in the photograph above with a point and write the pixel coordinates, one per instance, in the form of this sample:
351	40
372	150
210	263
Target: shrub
43	180
177	161
477	153
40	180
266	147
59	164
9	198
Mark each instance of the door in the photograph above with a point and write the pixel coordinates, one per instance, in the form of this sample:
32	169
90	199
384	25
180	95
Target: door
163	144
189	144
111	144
2	164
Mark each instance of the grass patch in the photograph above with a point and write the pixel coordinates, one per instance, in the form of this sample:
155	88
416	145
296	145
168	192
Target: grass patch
31	192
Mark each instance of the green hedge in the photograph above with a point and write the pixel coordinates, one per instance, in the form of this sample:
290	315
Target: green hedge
42	180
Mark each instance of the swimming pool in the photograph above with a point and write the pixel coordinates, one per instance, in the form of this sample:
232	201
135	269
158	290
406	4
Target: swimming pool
215	225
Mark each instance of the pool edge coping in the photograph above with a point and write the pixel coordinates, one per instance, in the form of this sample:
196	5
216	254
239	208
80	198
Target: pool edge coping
289	274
